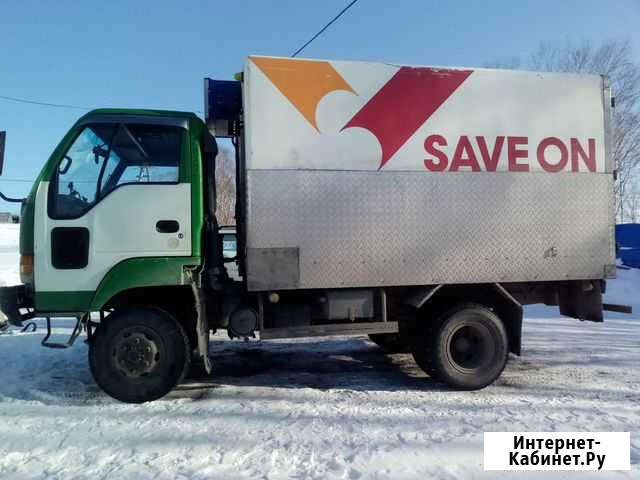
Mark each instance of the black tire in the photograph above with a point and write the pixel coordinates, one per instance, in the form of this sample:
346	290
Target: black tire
390	342
422	356
139	354
467	348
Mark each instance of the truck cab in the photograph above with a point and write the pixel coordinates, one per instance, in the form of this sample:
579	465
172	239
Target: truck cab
116	217
116	194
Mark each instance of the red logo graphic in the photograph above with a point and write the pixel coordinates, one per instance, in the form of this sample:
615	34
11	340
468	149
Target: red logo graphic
404	104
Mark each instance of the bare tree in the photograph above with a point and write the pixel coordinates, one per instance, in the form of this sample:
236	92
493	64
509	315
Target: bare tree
616	60
225	188
508	63
632	204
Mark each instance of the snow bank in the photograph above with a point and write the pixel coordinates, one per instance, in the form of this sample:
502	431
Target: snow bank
315	409
625	290
9	268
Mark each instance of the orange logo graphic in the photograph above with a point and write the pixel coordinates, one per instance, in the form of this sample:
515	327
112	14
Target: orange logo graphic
303	82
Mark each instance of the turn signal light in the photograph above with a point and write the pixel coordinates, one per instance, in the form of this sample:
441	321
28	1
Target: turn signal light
26	268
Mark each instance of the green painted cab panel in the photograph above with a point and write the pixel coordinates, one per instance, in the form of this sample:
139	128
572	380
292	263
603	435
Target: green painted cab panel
63	301
142	272
126	275
196	130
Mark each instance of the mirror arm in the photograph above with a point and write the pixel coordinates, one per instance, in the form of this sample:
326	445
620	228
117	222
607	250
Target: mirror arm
3	137
11	200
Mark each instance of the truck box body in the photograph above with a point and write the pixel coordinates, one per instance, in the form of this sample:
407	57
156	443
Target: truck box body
367	174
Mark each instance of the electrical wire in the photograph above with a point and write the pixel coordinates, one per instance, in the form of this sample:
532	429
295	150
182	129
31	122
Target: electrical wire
351	4
78	107
56	105
44	104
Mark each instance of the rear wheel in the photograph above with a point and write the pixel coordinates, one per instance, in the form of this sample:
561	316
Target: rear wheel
139	354
467	348
390	342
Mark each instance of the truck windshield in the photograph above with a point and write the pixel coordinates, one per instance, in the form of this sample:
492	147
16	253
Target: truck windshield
106	156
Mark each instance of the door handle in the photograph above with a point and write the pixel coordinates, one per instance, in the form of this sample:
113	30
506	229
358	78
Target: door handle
167	226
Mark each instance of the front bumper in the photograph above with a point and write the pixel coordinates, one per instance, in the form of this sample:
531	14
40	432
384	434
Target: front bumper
12	301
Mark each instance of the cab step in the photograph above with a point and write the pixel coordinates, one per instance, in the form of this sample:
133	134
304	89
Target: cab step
72	338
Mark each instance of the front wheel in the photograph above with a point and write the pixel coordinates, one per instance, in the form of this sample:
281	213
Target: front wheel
467	349
139	354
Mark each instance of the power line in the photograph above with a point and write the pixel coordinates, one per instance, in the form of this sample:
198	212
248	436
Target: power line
44	104
58	105
16	180
78	107
351	4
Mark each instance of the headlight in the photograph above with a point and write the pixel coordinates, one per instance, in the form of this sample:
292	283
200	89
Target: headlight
26	268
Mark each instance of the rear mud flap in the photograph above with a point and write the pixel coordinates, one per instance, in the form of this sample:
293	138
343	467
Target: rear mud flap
581	299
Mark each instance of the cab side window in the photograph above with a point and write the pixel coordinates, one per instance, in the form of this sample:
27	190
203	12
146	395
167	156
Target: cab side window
106	156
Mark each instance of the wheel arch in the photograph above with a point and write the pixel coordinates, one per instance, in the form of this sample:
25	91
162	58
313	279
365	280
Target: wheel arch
438	298
176	300
146	272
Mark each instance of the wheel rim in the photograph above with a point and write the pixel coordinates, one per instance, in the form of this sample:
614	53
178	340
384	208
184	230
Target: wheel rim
470	347
136	352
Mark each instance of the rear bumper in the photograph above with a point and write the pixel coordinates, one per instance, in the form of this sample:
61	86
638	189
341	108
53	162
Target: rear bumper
12	301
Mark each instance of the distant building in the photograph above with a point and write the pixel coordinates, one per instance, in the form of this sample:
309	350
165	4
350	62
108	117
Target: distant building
6	217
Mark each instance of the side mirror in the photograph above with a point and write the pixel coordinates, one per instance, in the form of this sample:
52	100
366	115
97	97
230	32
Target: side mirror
3	138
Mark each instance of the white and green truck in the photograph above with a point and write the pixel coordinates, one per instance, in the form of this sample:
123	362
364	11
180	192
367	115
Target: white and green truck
422	206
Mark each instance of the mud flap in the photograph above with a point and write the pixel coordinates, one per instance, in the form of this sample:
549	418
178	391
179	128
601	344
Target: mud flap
202	325
581	299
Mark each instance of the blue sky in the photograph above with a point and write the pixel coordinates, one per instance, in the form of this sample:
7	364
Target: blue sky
155	53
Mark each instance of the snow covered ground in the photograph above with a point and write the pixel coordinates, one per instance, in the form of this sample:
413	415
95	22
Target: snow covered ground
315	409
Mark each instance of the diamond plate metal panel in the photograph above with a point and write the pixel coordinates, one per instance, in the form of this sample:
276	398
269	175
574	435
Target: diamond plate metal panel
358	229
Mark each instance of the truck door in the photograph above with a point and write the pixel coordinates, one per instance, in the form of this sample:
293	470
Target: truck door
119	191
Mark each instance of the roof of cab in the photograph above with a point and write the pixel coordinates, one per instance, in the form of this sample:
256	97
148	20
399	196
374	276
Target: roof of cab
140	111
